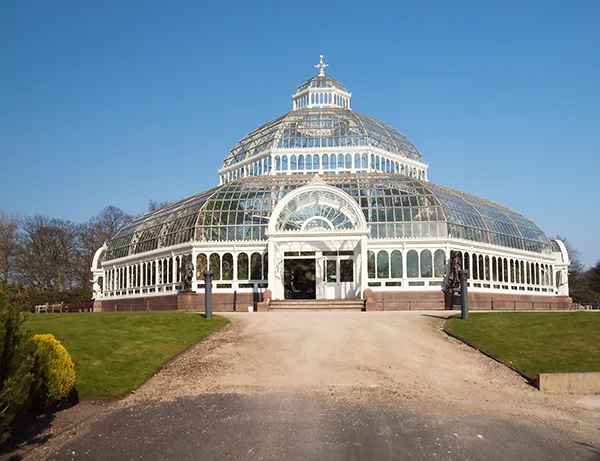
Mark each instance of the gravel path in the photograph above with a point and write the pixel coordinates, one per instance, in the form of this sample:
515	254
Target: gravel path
353	355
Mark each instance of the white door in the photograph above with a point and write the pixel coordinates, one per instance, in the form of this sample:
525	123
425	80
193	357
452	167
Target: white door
339	277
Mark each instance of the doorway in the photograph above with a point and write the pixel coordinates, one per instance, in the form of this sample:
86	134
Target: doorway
299	278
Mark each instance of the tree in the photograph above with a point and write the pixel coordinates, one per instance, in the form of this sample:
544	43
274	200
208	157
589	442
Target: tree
92	235
16	357
47	252
153	206
9	226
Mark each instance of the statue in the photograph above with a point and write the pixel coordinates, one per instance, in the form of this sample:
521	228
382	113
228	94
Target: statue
187	272
453	281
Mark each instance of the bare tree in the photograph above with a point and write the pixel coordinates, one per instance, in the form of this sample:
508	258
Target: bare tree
153	206
9	226
92	235
47	252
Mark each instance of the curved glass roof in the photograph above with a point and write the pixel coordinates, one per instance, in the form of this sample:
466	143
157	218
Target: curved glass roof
395	206
322	81
322	127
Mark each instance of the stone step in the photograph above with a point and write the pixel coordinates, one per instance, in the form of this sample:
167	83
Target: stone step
317	305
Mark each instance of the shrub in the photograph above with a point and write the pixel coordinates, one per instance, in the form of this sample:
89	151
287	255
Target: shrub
54	372
16	357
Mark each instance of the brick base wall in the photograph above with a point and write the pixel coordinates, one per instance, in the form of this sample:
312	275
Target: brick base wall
221	302
403	300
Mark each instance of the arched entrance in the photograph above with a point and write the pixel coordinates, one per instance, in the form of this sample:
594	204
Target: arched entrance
317	245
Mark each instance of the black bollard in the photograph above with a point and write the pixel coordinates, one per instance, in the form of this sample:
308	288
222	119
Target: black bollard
208	277
464	296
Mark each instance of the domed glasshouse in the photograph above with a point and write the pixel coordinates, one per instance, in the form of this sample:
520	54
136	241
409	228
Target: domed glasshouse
324	203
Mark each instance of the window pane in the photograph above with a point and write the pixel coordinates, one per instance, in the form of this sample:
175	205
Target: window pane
255	267
396	264
371	264
242	269
347	270
383	265
227	266
412	264
215	265
426	264
439	265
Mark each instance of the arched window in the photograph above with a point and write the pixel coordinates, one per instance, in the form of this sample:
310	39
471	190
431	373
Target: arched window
537	273
412	264
371	264
178	269
215	265
475	274
522	265
387	165
357	161
467	264
512	271
494	269
340	161
301	162
543	275
439	263
396	264
481	268
316	162
277	163
505	270
256	266
383	265
377	164
293	162
170	270
266	266
373	161
332	162
348	161
325	161
284	163
201	265
227	266
487	268
426	264
242	266
153	273
309	162
528	273
365	161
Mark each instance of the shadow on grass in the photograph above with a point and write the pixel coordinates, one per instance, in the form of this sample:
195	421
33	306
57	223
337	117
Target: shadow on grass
32	429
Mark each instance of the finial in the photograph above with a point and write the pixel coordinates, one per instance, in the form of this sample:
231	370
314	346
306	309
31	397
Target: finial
321	66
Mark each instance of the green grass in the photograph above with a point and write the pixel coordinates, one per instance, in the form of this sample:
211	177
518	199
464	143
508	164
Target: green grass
116	352
535	343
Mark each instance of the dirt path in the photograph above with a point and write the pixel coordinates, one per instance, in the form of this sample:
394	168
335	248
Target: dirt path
353	355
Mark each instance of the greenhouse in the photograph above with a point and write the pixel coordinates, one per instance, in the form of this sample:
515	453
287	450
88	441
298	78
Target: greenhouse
325	203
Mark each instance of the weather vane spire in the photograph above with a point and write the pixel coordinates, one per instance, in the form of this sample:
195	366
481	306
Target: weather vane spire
321	66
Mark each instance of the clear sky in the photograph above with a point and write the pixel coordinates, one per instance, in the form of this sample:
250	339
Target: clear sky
120	102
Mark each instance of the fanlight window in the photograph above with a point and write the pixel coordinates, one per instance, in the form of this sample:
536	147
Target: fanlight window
315	211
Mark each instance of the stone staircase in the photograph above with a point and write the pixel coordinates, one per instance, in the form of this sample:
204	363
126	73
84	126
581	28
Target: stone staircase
317	305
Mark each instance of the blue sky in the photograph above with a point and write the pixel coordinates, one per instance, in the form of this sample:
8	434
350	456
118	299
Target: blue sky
117	103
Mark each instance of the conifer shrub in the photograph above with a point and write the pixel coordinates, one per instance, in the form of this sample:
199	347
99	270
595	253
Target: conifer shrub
54	372
16	357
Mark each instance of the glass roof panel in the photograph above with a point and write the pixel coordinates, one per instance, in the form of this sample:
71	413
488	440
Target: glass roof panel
322	127
395	206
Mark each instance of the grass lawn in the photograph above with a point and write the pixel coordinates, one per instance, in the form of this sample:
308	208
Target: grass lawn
116	352
535	343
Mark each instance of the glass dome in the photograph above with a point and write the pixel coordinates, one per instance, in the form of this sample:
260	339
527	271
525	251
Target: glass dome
322	81
322	128
395	206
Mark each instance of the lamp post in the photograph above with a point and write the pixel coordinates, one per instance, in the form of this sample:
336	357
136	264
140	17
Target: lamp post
208	277
464	296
